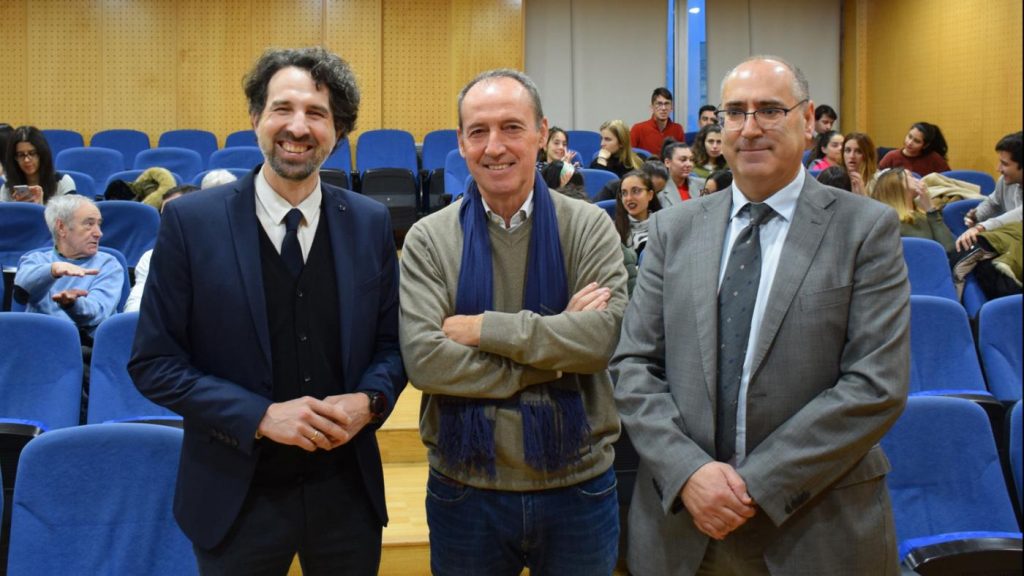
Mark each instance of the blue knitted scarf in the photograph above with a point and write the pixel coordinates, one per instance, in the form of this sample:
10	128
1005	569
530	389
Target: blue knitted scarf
555	427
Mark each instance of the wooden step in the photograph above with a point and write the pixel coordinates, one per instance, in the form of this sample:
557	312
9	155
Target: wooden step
399	437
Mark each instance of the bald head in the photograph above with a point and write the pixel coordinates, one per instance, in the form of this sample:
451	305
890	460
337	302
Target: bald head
768	66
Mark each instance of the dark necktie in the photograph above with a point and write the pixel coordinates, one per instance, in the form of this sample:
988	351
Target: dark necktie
736	298
291	252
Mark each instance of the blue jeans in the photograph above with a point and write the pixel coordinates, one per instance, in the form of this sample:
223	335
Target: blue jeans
564	531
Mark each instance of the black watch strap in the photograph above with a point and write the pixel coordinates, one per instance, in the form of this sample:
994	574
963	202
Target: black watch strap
378	405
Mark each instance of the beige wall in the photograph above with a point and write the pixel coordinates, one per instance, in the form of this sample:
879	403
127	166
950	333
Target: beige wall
157	65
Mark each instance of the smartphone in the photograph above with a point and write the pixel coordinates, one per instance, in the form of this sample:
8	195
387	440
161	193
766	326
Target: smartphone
20	191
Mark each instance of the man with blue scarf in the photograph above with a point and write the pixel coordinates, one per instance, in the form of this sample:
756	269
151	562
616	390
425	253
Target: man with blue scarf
511	302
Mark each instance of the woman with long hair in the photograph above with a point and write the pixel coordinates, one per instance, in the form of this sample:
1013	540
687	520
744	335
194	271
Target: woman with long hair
924	151
919	218
707	151
556	149
634	205
30	175
860	160
827	151
616	155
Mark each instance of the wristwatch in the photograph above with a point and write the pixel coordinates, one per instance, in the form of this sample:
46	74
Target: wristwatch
378	405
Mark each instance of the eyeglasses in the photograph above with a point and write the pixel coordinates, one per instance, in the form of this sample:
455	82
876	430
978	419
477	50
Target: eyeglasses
635	191
26	155
733	119
662	104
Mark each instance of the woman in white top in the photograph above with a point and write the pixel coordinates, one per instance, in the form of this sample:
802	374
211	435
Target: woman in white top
30	176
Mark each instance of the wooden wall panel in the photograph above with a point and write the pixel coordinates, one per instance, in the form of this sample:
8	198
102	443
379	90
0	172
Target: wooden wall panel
137	59
353	31
14	65
417	61
277	24
485	35
65	64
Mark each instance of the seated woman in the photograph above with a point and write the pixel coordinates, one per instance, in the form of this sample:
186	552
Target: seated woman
615	154
924	151
898	189
29	162
717	181
556	149
827	151
836	177
707	151
633	207
860	160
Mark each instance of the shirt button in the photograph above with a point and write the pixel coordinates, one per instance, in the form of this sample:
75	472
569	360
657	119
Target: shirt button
299	293
307	378
303	338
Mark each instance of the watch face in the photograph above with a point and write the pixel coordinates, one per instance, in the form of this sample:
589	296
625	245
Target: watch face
378	403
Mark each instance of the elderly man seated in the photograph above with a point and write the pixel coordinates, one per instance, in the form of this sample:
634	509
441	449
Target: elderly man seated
74	280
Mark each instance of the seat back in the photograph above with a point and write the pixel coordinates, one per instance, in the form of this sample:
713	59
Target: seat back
99	500
396	189
436	146
585	142
84	184
24	229
130	227
942	356
984	181
182	161
1000	344
954	212
1016	451
59	140
40	369
247	157
112	394
386	149
608	206
128	142
341	158
946	476
595	179
99	163
928	268
241	138
202	142
337	178
455	173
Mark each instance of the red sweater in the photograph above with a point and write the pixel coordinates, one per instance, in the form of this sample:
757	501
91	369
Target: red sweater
922	165
647	136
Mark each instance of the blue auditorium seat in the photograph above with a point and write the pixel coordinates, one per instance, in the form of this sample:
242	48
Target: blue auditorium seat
341	158
241	138
128	142
202	142
982	179
456	172
928	268
608	206
1000	344
59	140
594	180
954	212
24	229
84	184
130	227
247	157
436	146
182	161
942	356
99	163
585	142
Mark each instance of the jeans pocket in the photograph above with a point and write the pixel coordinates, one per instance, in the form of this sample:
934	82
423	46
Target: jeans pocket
444	489
599	487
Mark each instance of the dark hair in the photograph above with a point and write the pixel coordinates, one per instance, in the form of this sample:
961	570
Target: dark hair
621	216
825	110
1011	144
836	176
326	68
522	79
542	154
705	108
700	153
669	151
663	92
12	170
722	179
820	141
5	135
934	141
655	168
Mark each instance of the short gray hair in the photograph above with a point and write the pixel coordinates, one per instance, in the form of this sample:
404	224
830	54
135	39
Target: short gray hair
801	90
216	178
522	79
63	208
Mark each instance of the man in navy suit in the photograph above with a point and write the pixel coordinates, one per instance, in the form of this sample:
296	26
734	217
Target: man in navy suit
270	323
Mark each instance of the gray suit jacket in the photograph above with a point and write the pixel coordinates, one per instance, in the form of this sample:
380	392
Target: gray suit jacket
830	376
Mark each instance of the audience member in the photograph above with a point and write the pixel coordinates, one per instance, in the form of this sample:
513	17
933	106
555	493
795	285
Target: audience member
1003	205
557	149
825	118
679	161
658	173
650	133
706	116
217	178
511	301
755	389
633	208
836	177
923	152
564	178
919	218
75	280
616	155
860	160
827	151
142	267
718	180
30	163
707	151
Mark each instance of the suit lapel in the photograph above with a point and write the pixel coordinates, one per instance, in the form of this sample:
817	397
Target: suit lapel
241	210
810	221
336	211
707	265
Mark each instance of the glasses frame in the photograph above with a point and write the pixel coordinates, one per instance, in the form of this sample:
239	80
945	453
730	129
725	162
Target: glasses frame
20	156
758	116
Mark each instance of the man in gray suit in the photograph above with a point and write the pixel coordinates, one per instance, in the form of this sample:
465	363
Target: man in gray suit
757	387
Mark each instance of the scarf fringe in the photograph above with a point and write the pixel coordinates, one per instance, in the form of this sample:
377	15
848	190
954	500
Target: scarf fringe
554	433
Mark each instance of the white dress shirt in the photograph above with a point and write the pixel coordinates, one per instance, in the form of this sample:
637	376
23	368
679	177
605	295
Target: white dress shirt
516	220
272	208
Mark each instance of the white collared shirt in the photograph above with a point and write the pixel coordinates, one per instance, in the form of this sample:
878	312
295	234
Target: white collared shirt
772	235
517	219
271	209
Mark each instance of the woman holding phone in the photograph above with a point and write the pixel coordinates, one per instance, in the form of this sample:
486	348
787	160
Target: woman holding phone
30	174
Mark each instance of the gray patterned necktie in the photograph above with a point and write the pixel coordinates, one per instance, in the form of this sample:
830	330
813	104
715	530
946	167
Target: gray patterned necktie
736	298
